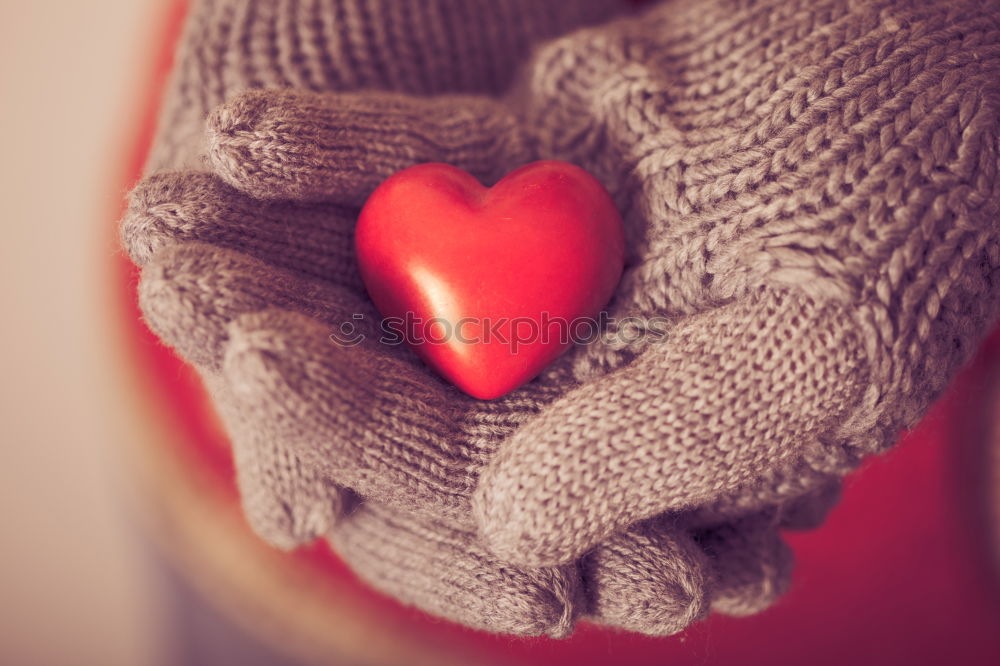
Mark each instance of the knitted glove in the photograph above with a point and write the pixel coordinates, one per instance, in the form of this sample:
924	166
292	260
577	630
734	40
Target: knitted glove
810	191
238	286
804	238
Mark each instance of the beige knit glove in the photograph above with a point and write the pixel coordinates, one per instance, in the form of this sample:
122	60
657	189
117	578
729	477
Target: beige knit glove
240	288
810	190
807	192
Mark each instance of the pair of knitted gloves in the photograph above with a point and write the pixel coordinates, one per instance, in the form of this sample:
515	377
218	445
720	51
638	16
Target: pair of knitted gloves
809	194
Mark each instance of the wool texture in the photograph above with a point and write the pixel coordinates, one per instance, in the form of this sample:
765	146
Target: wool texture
809	194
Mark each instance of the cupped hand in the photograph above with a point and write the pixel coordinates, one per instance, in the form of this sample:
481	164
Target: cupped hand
248	271
763	172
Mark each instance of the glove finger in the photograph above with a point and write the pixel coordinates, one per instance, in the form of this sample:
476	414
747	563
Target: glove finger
650	579
190	292
445	571
371	417
752	565
294	144
809	510
430	47
730	393
315	241
286	502
371	420
801	494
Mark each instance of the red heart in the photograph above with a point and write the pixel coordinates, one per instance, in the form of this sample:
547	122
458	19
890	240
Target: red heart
490	285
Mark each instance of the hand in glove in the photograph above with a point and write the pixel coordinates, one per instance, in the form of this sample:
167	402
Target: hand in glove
800	229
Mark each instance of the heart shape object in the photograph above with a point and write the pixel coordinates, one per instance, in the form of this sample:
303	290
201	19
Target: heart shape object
490	285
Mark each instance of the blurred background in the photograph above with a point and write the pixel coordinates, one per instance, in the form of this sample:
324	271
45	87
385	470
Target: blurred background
907	562
77	585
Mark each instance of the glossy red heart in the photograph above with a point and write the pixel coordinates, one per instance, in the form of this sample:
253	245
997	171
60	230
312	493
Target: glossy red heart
490	285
